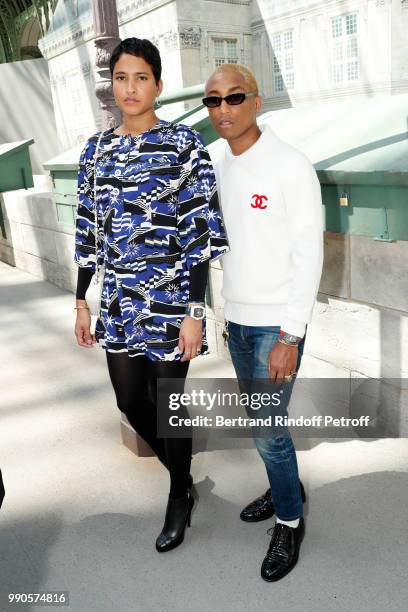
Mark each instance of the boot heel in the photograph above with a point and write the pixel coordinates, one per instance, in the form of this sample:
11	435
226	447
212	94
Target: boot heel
191	504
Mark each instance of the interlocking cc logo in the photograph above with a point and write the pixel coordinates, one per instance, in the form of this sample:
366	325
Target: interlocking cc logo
258	203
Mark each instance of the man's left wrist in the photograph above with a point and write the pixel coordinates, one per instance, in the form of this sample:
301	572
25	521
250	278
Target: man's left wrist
288	339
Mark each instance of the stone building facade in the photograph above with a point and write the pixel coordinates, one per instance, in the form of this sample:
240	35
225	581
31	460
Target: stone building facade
301	51
323	51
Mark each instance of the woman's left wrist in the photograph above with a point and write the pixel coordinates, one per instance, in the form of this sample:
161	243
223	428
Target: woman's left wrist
196	310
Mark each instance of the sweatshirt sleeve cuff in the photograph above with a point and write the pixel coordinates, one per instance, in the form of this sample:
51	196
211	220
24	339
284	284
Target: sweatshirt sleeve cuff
295	328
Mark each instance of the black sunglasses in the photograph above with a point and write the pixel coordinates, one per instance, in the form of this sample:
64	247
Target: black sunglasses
233	99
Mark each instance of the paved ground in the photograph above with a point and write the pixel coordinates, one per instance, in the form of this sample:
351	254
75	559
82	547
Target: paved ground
82	513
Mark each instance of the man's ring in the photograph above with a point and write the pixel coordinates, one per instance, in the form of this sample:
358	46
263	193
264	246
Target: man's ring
288	378
198	351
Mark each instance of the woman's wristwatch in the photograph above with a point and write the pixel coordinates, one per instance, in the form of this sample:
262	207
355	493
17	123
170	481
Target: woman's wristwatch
196	310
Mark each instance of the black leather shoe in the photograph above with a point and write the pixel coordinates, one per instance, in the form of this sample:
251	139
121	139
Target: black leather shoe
262	507
283	551
178	516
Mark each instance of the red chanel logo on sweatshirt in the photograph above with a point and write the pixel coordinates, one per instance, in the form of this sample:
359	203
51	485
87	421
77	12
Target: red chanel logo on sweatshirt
258	201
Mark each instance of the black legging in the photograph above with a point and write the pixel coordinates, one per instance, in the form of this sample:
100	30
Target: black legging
134	381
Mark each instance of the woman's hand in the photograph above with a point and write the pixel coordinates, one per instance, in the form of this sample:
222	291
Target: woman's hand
190	338
83	327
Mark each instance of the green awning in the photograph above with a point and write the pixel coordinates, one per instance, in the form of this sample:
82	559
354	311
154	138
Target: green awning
358	141
15	165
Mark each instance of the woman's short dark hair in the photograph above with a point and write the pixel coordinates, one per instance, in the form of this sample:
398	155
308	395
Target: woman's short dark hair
139	47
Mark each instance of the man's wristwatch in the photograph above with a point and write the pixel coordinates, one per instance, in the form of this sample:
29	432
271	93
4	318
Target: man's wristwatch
196	310
288	339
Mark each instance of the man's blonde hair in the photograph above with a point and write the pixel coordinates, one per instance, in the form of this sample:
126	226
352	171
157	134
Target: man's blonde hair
242	70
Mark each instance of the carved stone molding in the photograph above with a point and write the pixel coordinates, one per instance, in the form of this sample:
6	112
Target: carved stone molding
103	89
190	37
103	53
185	38
52	45
135	8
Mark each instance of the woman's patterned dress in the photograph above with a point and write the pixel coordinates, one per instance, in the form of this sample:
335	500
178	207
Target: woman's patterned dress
158	215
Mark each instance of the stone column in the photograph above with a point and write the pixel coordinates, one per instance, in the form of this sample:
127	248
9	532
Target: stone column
106	27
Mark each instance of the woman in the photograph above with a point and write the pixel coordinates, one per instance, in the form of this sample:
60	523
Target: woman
158	224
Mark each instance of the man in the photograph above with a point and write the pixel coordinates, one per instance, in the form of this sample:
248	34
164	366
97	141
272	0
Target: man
271	203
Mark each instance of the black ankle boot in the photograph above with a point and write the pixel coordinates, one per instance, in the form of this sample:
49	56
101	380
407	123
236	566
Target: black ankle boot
178	515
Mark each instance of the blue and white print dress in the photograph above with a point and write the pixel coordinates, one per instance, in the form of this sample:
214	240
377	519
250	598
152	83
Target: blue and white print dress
158	215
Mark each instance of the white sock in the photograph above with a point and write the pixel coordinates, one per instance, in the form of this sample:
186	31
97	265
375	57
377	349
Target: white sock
293	523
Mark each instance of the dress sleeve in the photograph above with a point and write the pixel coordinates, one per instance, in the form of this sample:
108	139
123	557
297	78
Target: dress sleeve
83	281
200	226
198	281
85	255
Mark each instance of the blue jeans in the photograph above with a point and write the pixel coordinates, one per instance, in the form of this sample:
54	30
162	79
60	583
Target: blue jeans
249	347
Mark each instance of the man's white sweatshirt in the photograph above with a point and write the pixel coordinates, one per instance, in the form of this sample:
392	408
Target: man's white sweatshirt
271	203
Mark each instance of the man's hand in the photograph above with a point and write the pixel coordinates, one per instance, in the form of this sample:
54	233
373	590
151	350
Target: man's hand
282	361
190	338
